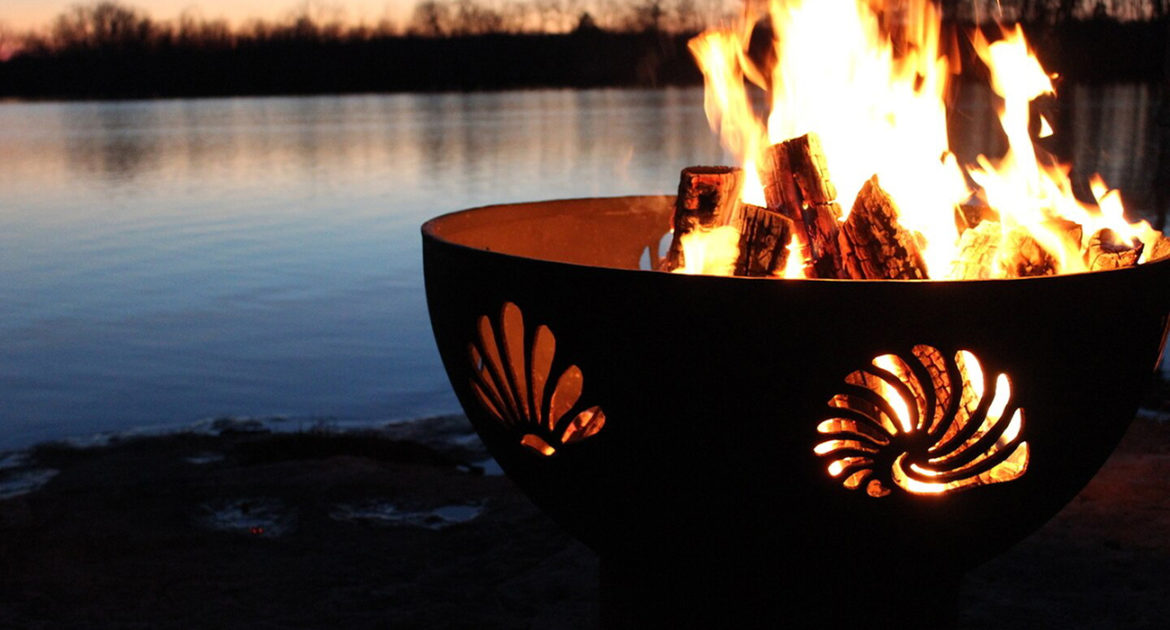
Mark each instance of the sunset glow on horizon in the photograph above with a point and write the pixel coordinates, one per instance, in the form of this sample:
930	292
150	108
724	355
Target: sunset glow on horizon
37	14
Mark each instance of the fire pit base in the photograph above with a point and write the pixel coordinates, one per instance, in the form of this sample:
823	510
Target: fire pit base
686	594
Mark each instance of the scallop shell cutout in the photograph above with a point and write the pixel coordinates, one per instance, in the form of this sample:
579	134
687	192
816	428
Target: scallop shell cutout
510	378
926	424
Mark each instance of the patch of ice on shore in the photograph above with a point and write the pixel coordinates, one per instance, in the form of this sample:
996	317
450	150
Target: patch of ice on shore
15	459
202	459
262	517
17	483
1156	415
386	513
491	468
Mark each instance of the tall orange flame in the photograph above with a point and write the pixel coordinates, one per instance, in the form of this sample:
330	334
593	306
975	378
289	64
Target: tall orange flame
870	77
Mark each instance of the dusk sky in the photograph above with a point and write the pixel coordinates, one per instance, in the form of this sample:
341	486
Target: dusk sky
22	14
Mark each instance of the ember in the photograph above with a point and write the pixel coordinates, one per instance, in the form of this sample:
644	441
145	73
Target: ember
870	108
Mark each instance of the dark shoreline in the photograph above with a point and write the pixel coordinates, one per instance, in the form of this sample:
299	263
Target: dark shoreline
121	537
311	63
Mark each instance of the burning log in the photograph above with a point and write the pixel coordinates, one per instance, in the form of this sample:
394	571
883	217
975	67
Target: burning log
780	191
806	159
707	198
986	252
874	245
1161	249
978	247
1025	257
796	184
822	224
1105	252
1071	231
763	241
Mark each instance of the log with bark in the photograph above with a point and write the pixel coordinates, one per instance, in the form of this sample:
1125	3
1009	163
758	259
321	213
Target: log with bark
874	245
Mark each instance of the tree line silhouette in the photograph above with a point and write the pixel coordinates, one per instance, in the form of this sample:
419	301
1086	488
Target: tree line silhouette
107	49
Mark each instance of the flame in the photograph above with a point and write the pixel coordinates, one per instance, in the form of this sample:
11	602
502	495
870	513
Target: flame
898	403
870	78
710	252
794	267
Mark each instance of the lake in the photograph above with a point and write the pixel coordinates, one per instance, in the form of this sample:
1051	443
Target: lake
163	262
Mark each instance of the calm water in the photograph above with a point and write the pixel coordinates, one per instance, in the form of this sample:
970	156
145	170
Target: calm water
163	262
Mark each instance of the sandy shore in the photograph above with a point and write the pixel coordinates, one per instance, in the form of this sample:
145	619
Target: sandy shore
255	530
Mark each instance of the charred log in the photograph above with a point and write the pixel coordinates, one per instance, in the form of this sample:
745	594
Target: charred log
1106	251
707	198
822	224
810	170
780	191
874	245
763	241
796	182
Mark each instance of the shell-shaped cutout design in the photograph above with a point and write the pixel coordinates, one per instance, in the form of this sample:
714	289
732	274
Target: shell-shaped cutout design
511	379
925	423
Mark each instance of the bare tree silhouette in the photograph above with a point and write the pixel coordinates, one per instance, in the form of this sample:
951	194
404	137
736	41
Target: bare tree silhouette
108	48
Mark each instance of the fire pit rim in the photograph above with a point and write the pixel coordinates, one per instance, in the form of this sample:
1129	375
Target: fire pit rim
431	229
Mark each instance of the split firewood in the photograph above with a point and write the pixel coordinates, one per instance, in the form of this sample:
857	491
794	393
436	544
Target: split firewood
780	191
822	224
707	199
1161	249
1024	257
1104	251
810	169
874	245
763	241
978	247
986	252
797	185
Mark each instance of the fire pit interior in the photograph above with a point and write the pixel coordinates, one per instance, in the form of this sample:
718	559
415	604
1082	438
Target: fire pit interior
724	443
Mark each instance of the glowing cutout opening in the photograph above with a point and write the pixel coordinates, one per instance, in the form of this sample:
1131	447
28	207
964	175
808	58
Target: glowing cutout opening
924	423
511	384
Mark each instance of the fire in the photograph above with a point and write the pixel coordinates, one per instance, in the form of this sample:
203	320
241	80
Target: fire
870	79
711	252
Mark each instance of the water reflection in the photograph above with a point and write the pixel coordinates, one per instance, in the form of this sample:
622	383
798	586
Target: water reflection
164	261
1108	129
171	260
105	139
1117	137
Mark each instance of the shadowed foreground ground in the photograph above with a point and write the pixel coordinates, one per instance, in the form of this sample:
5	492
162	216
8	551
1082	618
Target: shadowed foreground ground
330	530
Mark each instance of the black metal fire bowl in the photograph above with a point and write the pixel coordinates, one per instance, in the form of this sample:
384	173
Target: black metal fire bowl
682	426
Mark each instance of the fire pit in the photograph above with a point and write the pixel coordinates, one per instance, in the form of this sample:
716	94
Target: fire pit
777	451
